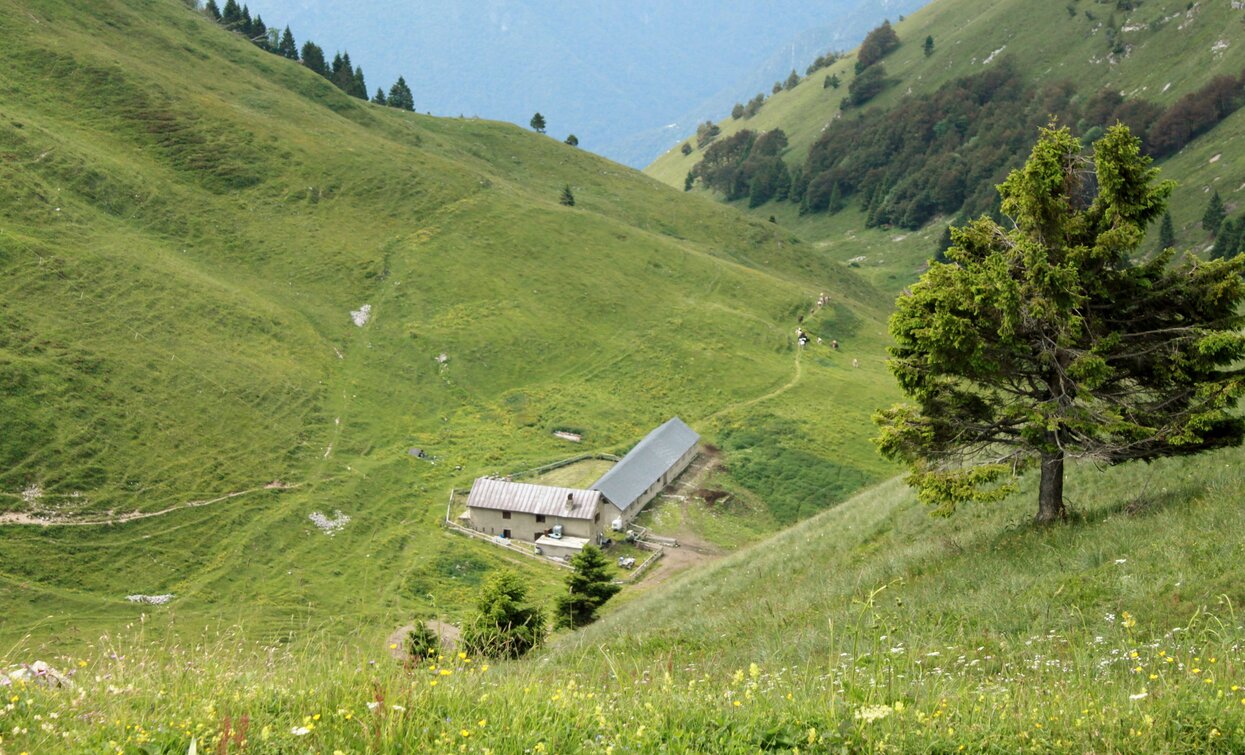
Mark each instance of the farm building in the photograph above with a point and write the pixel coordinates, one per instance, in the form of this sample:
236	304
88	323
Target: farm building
529	512
646	470
560	521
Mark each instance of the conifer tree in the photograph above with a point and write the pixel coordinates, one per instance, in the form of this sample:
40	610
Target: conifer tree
342	72
689	180
568	197
1214	214
928	47
505	625
379	99
213	10
1167	233
538	123
313	58
572	140
400	95
245	25
259	32
232	14
792	80
358	86
287	48
1044	340
588	588
1228	241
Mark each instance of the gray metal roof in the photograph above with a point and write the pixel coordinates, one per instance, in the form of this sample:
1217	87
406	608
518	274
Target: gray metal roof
646	463
525	498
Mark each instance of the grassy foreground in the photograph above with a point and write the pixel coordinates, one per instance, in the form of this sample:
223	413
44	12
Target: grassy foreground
882	629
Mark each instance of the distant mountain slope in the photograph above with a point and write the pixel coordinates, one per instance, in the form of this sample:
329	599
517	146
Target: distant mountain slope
222	275
1156	51
622	76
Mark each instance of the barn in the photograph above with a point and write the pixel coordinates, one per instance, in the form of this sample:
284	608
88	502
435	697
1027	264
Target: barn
645	471
562	520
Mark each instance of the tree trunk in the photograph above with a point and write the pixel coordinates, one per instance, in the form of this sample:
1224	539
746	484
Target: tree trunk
1050	491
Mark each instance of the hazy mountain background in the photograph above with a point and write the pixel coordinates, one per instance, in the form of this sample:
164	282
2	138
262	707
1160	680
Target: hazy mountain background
630	79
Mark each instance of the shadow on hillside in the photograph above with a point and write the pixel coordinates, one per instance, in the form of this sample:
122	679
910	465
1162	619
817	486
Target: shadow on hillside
1145	503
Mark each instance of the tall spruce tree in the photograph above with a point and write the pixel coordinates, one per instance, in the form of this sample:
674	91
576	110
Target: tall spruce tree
588	588
1229	240
313	58
400	95
538	123
259	32
1044	340
342	72
379	99
213	10
287	47
232	14
568	196
1214	215
358	86
928	47
1167	233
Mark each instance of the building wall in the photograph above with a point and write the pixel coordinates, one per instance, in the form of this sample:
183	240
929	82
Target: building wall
525	527
611	512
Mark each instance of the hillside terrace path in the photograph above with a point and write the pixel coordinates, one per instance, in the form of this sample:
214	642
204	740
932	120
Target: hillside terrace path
26	518
795	379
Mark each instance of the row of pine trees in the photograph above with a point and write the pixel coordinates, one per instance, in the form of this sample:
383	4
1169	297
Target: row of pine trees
344	75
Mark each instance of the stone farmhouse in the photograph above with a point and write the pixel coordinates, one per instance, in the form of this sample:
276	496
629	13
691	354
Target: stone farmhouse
560	521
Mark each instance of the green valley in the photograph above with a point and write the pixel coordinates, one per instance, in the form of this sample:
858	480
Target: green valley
222	275
253	331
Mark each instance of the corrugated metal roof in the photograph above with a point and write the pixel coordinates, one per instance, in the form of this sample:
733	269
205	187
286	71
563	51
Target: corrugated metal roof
646	463
525	498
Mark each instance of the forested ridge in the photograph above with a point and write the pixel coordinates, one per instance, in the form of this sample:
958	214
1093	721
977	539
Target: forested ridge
941	153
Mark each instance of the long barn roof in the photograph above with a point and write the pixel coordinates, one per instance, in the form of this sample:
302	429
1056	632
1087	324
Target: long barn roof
525	498
646	463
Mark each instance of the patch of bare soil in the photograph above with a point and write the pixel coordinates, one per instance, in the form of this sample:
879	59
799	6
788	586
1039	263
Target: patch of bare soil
448	633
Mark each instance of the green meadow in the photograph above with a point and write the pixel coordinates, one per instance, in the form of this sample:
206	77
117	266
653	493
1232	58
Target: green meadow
234	298
192	230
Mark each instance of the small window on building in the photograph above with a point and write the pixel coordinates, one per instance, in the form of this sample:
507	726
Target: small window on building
540	518
505	515
596	517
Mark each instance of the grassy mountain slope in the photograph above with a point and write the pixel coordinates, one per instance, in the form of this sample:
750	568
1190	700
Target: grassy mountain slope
869	626
188	225
1171	48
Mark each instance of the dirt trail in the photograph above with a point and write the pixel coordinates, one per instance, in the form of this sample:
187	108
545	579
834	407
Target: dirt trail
795	379
55	521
